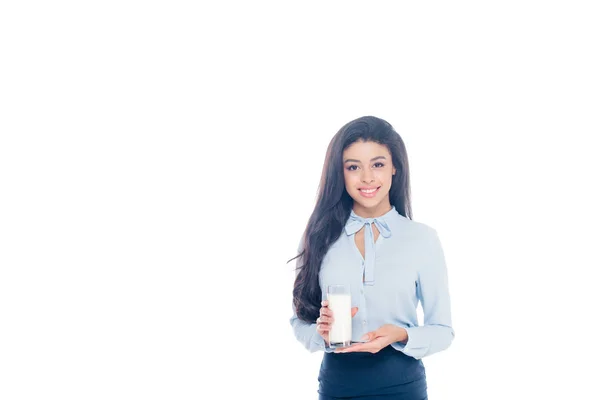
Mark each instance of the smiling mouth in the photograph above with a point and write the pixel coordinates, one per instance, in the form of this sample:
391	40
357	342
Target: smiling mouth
369	192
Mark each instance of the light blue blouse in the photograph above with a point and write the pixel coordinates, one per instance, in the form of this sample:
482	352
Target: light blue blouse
404	266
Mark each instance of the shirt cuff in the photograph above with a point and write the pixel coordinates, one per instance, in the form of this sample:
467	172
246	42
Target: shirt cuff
320	343
415	344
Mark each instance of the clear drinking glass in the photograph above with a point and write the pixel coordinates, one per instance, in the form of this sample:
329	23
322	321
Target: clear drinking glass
340	334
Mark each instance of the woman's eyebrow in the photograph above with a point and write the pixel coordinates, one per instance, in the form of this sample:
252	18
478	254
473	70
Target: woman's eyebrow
372	159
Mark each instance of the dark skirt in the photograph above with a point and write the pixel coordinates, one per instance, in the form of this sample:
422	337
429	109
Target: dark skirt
388	374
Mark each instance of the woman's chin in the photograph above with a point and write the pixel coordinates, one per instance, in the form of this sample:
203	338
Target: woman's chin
368	204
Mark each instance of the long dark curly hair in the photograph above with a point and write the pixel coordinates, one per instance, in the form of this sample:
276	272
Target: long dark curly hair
334	205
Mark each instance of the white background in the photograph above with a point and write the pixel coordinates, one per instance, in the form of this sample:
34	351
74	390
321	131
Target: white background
159	161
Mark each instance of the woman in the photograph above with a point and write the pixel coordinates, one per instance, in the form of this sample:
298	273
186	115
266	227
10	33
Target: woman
361	235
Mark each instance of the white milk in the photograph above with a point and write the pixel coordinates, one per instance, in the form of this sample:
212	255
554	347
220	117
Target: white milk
341	329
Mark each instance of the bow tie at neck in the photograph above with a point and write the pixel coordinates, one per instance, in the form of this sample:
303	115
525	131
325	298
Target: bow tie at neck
355	224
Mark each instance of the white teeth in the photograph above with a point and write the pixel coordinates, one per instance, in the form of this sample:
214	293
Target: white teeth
368	191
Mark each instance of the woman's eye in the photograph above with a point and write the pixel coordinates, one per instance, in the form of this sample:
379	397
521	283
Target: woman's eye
380	165
352	168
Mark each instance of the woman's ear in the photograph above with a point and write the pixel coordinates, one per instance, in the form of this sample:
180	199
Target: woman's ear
394	171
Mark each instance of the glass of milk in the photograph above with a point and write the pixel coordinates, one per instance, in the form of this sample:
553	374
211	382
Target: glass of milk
340	334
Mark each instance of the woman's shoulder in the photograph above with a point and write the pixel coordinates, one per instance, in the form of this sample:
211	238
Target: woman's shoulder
413	228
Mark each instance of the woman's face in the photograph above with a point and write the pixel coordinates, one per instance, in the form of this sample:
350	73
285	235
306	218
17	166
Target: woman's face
368	172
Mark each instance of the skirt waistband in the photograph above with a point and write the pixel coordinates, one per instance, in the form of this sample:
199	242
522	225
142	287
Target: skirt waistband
388	371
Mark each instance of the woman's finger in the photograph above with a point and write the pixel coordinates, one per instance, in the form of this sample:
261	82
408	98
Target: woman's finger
326	311
370	347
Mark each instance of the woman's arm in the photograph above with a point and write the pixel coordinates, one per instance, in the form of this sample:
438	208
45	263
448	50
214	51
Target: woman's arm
306	333
432	291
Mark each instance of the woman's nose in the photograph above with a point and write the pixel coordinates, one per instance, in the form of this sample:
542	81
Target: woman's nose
367	178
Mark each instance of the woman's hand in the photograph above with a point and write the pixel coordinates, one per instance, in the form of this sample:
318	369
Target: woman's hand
326	319
378	339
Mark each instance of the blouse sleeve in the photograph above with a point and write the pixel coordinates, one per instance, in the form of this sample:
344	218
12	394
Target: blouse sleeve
437	333
306	333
